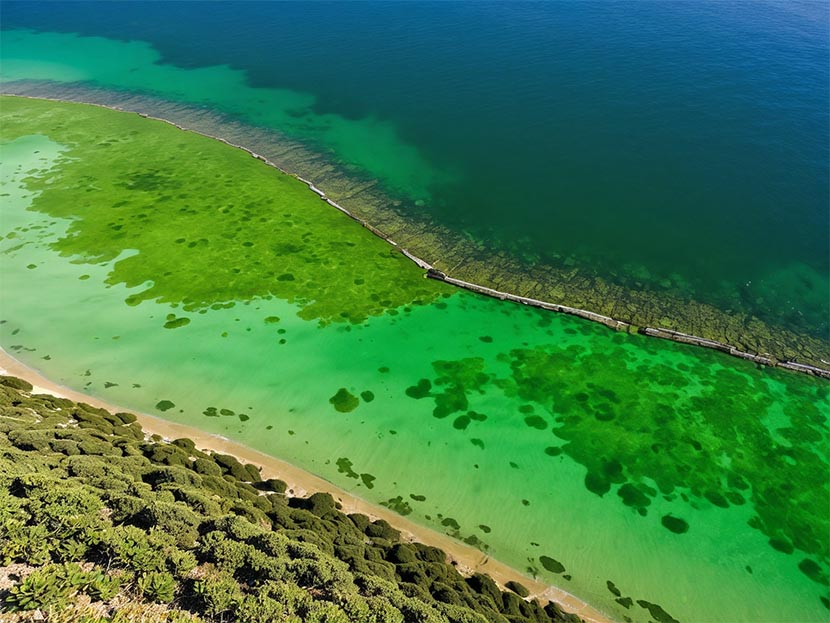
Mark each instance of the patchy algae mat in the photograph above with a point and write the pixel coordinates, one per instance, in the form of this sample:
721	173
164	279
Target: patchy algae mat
714	273
167	272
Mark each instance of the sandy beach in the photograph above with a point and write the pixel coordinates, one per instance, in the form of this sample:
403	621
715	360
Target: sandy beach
300	483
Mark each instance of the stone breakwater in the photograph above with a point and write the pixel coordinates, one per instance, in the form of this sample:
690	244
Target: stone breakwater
764	359
620	325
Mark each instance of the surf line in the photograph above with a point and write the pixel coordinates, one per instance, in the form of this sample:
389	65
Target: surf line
433	273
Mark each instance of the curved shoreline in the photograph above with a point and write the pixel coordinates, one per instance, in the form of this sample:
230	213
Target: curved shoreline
465	558
764	359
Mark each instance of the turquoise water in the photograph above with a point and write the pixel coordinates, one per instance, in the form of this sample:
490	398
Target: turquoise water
674	148
580	456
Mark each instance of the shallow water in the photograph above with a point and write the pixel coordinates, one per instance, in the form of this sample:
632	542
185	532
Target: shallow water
573	453
673	150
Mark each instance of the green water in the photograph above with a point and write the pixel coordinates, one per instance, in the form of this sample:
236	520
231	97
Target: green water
492	222
580	456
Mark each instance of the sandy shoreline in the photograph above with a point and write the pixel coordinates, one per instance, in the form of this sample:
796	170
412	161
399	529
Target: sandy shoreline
300	482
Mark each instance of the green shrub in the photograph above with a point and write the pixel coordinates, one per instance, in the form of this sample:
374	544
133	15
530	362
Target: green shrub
181	562
231	466
69	549
130	433
62	505
325	612
401	553
15	383
65	446
29	544
312	538
102	586
380	611
271	543
259	608
416	611
217	593
93	421
382	569
130	547
227	554
175	520
124	507
92	468
126	418
459	614
382	530
272	484
428	553
43	589
235	527
487	588
294	599
157	586
517	588
316	574
220	487
165	454
195	499
175	474
258	568
31	440
206	467
99	447
361	522
247	492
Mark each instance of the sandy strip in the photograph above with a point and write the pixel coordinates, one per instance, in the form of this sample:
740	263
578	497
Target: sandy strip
467	559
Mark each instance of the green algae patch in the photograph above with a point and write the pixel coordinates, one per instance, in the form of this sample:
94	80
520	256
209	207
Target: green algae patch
664	421
656	611
399	505
345	466
551	564
205	223
457	379
675	524
812	570
421	390
164	405
174	322
344	401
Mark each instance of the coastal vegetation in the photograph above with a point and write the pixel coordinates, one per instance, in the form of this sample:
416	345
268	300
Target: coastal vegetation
99	522
329	349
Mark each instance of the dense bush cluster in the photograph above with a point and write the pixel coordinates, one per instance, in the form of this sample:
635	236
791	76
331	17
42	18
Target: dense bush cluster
98	523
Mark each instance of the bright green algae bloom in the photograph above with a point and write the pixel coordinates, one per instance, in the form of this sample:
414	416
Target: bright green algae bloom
367	166
509	427
201	224
712	435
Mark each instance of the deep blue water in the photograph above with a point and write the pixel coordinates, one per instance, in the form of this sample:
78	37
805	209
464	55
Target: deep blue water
652	141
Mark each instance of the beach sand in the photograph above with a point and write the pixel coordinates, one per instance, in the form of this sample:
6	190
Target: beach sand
466	559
